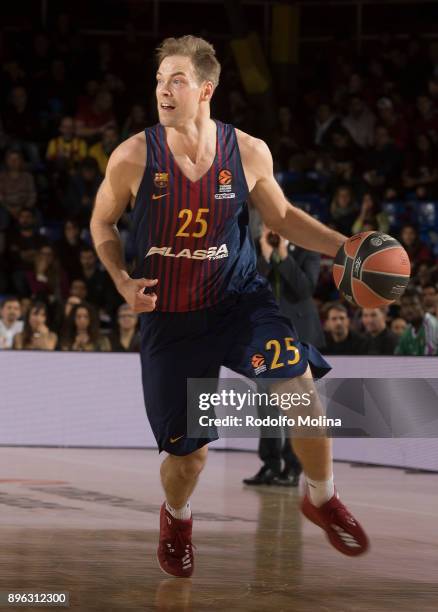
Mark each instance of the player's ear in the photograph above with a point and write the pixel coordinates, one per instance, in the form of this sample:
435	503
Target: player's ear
207	91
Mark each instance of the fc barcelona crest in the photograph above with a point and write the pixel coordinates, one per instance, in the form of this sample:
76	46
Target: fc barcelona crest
161	179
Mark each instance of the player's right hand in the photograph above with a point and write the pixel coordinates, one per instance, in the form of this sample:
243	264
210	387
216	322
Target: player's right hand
132	290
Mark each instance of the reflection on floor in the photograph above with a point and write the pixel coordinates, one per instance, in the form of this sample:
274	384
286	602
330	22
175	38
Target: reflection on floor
85	521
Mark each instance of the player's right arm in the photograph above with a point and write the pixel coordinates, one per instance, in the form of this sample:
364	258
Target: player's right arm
123	175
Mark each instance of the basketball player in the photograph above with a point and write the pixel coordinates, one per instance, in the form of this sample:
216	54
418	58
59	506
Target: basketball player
201	300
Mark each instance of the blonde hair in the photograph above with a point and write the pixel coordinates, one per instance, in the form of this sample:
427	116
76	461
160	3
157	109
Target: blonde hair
201	53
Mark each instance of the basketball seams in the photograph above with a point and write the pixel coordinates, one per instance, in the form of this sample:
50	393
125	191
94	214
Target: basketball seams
382	250
372	291
343	272
364	237
383	273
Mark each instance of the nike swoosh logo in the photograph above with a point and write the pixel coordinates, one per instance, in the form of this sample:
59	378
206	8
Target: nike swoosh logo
173	440
157	197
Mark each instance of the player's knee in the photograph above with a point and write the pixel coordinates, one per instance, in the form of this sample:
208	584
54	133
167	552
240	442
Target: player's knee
192	465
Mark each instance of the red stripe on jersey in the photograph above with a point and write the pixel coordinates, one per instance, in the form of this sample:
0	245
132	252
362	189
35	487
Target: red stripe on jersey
166	238
180	288
160	213
213	293
174	225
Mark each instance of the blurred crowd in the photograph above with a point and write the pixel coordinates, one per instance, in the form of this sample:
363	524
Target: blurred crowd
356	145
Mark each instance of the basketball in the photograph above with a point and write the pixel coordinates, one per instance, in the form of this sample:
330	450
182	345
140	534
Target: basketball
371	269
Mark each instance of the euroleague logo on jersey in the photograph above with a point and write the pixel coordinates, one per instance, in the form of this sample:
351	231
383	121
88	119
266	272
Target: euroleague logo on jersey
258	363
224	190
225	177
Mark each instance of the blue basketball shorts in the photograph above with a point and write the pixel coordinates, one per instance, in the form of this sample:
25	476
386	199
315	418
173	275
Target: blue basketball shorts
245	333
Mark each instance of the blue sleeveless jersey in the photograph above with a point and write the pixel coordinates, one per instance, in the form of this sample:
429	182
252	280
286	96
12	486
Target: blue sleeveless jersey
194	236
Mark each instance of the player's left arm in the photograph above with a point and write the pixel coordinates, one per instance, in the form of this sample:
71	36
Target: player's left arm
278	214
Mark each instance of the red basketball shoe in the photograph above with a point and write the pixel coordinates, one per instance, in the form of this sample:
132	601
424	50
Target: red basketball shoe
175	554
342	529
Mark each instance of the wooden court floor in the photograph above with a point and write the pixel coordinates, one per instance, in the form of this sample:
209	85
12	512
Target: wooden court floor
85	521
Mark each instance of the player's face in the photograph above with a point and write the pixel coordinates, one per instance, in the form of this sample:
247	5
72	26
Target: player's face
178	91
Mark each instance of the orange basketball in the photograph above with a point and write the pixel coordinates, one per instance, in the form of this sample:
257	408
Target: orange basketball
371	269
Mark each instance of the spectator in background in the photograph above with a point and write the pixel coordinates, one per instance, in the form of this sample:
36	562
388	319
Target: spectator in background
22	244
341	149
398	326
36	335
360	122
343	210
126	337
78	288
13	75
66	150
285	143
17	187
370	215
100	289
95	279
425	274
426	121
82	191
396	125
86	100
39	58
57	91
293	274
429	298
20	124
69	247
326	122
71	301
421	335
416	249
136	121
339	338
47	280
383	162
102	150
91	121
379	340
81	331
420	172
10	325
